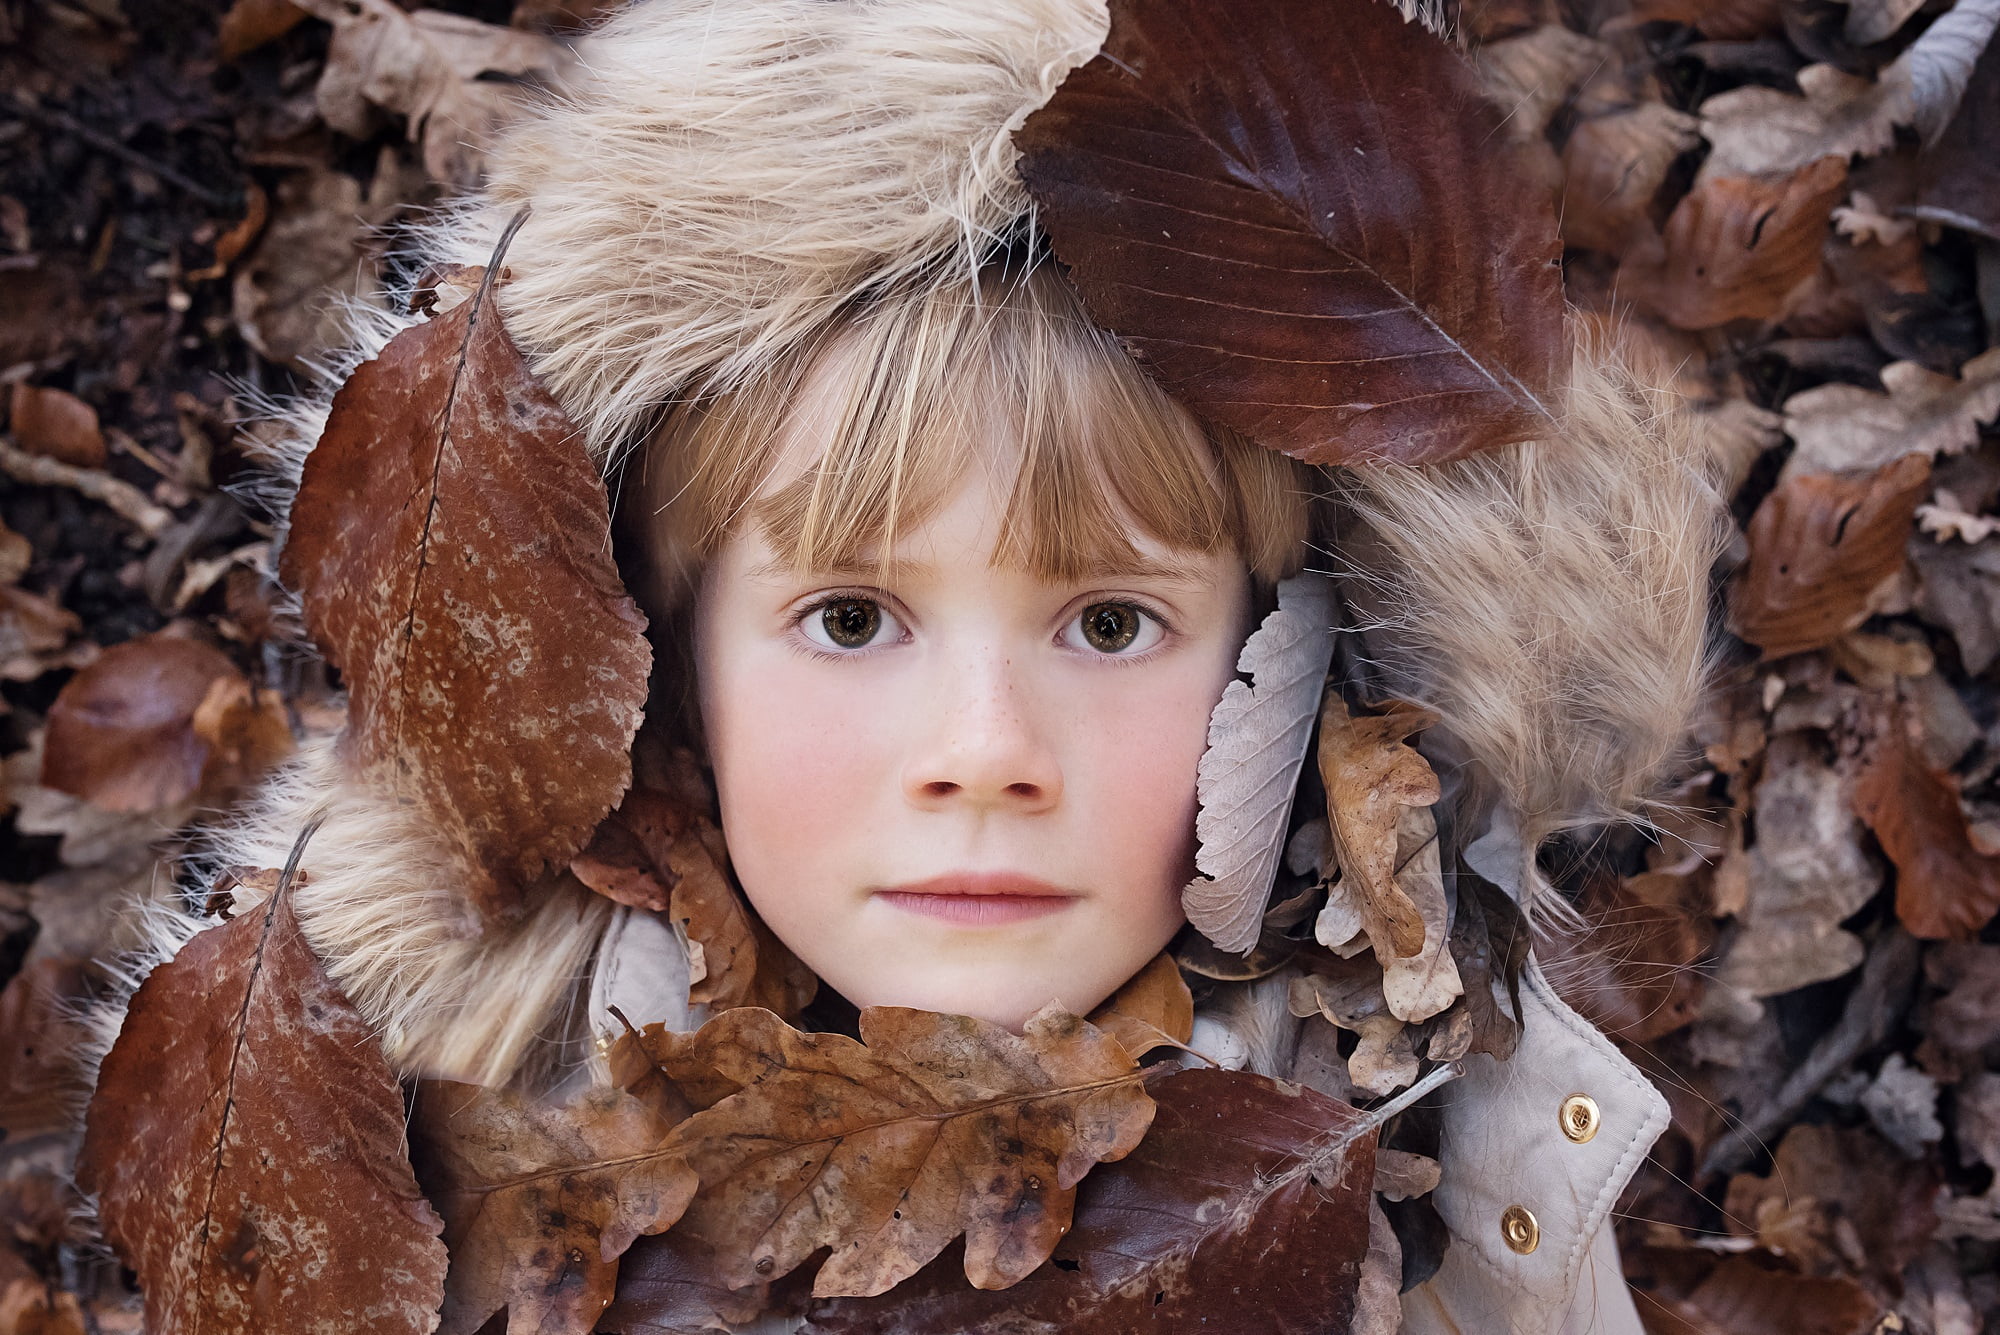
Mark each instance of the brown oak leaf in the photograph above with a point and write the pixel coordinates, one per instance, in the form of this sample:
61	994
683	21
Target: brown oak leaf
1613	165
1154	1008
1231	187
541	1199
1239	1176
1820	545
450	543
1737	246
887	1149
246	1146
1372	774
122	732
1945	887
1843	427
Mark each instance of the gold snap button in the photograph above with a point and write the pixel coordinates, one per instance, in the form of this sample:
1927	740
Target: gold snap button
1579	1117
1520	1230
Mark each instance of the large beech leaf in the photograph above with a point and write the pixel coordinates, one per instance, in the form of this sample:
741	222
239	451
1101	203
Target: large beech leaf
541	1199
451	546
1256	742
939	1125
1300	215
1239	1177
246	1147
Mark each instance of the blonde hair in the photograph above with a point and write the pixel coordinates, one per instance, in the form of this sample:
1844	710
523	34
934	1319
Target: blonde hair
906	391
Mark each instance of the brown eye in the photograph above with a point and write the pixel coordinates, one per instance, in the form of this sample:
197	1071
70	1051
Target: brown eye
1110	628
851	622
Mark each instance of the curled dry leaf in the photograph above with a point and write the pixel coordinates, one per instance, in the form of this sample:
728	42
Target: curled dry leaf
1844	427
1390	894
1529	77
1348	995
1820	546
1944	886
1334	332
1240	1175
503	706
122	732
56	425
246	732
274	1192
540	1200
1248	775
886	1150
1736	247
1613	166
453	77
1152	1009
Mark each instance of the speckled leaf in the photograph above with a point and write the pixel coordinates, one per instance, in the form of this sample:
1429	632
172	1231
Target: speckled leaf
1239	1176
450	543
1256	742
270	1189
1300	215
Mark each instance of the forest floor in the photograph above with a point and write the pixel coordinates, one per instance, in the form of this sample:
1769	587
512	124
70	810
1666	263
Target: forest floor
1774	195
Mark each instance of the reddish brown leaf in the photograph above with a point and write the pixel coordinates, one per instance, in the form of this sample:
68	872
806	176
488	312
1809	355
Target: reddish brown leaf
1737	246
1631	971
1238	1177
1838	1200
121	733
1152	1009
1945	887
246	732
1820	544
58	425
246	1146
1613	165
1299	214
1724	20
1741	1297
251	23
450	543
540	1200
940	1125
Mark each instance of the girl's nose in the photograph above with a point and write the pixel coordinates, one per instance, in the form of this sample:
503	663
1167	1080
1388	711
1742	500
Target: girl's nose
979	745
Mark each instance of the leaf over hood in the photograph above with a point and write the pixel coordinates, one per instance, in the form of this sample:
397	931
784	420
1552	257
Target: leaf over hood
503	705
1256	742
1299	216
246	1147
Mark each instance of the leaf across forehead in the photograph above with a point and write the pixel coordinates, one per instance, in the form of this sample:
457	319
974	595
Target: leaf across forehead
1297	214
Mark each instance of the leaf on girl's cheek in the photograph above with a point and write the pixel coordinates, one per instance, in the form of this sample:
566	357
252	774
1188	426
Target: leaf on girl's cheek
540	1200
1272	270
1282	1194
273	1181
503	705
1257	740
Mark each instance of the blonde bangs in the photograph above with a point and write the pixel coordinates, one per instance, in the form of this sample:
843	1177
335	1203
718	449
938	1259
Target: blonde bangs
866	434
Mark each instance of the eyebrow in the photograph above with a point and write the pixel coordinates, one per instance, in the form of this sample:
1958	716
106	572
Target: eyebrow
1168	570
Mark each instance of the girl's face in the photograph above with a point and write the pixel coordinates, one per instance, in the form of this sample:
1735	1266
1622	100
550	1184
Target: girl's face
954	786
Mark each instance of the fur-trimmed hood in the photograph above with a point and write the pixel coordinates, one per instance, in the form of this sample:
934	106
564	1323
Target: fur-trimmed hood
709	186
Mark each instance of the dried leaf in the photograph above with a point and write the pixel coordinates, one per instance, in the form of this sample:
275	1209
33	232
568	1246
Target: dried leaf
1944	886
251	23
1231	190
121	733
1737	247
1741	1297
1723	20
1248	775
312	259
246	732
1613	166
540	1200
38	1071
939	1125
1820	546
1281	1194
1839	1199
56	425
1372	774
273	1192
1843	427
1871	21
1152	1009
31	627
1529	77
1632	972
1958	179
454	77
503	706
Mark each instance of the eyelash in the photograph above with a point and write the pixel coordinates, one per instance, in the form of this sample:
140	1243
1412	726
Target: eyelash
797	619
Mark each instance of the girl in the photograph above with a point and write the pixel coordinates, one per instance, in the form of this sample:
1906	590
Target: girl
944	589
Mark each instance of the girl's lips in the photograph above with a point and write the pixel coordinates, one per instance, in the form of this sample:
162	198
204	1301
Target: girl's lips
979	897
977	909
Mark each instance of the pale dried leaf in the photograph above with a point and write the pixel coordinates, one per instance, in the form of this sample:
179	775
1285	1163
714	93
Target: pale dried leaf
1372	774
1248	775
1870	21
1946	518
1530	76
1421	985
1613	165
1844	427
